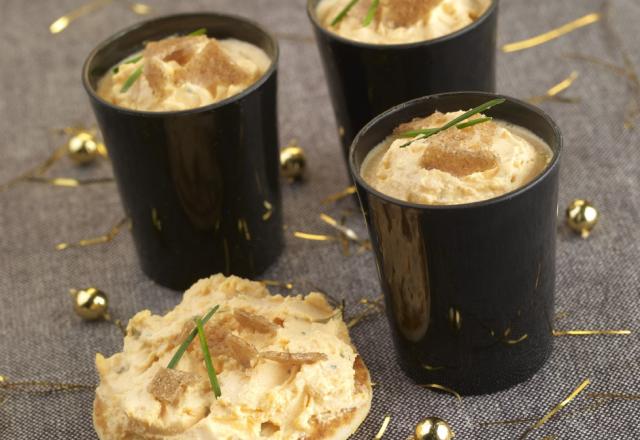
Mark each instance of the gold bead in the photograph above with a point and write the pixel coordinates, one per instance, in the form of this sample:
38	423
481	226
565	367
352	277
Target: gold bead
83	148
433	428
90	304
293	162
582	217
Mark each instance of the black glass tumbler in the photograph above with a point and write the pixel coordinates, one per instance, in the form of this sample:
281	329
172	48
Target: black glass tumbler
366	79
469	288
201	185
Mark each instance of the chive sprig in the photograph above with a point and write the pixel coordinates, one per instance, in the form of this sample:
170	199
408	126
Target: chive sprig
460	122
213	379
132	79
366	21
136	73
185	344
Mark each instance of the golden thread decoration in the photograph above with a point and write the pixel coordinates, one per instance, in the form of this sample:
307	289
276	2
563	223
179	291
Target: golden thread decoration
552	34
585	383
383	427
63	22
269	211
38	170
69	182
346	231
590	332
155	220
101	239
372	307
438	387
350	190
276	283
627	71
432	368
553	92
313	237
517	340
140	8
593	406
633	80
243	228
41	385
35	174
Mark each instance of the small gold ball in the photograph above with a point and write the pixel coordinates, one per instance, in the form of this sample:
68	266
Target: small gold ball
582	217
433	428
90	304
83	148
293	162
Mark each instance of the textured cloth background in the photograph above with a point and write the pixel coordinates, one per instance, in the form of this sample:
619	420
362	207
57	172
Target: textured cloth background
598	282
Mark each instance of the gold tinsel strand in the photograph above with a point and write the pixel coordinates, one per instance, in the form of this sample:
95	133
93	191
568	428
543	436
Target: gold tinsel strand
552	34
585	383
348	232
38	170
627	71
590	332
372	307
41	385
339	195
313	237
69	182
36	174
553	92
63	22
383	428
438	387
276	283
109	236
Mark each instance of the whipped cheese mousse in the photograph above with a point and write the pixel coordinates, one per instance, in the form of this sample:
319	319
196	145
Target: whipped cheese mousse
286	369
398	21
183	72
457	165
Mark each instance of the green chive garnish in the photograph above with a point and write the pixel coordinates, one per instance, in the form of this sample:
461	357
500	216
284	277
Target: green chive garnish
371	13
344	12
183	347
197	32
427	132
132	79
213	379
473	122
129	61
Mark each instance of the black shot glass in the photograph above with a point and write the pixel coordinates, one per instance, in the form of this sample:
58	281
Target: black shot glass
200	186
367	79
469	288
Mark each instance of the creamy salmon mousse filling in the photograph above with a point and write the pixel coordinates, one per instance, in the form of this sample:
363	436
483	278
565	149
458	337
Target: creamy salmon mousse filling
285	369
398	21
476	160
184	72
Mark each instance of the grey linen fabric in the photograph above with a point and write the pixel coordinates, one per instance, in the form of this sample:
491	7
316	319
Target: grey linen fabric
598	282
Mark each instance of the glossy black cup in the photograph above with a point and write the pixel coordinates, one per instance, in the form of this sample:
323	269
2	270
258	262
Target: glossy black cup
366	79
469	288
201	186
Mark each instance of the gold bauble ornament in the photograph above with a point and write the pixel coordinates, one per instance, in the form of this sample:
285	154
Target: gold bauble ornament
83	148
90	304
293	162
433	428
582	217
